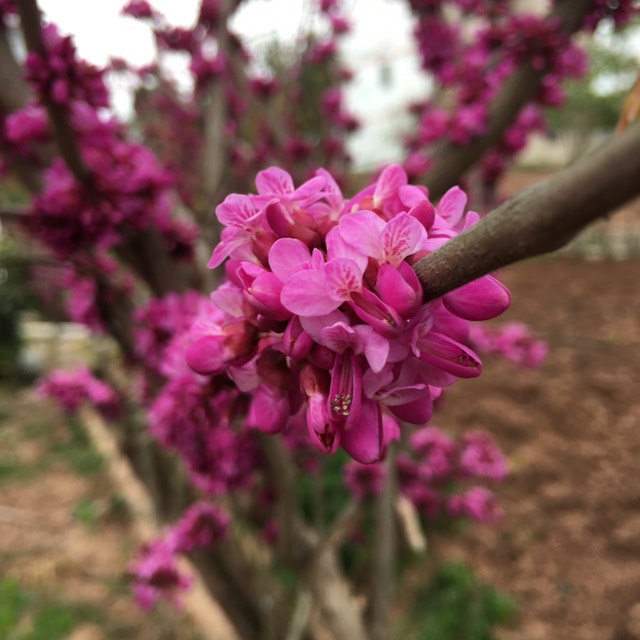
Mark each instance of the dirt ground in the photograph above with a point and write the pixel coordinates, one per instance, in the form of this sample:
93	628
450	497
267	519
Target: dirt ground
568	548
65	536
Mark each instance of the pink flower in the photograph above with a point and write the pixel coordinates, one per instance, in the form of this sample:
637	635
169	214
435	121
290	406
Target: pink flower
478	504
156	575
138	9
364	480
201	525
481	458
331	330
73	388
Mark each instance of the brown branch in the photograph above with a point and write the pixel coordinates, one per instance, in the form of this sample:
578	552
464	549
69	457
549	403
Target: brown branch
341	527
283	475
12	212
14	95
540	219
14	92
64	135
450	160
214	111
384	557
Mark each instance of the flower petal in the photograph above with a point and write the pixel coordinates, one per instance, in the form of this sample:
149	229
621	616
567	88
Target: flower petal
208	355
362	438
304	294
401	237
342	278
452	204
449	355
362	230
389	181
274	181
400	288
269	410
416	411
481	299
237	211
287	256
376	348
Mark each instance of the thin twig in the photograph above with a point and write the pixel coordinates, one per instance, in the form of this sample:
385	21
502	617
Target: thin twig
300	618
342	526
58	115
12	212
283	475
450	161
540	219
384	557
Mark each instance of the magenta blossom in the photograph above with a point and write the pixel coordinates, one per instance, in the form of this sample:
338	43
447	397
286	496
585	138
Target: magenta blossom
323	316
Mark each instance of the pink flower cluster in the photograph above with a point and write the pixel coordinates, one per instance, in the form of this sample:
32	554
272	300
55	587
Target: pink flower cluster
193	415
159	321
302	142
7	8
73	388
618	11
437	473
322	315
26	127
155	571
129	193
514	341
474	69
61	78
196	420
139	9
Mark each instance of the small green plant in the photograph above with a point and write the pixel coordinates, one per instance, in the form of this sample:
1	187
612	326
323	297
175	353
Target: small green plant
45	621
8	466
12	605
77	452
118	508
51	623
454	605
82	461
87	511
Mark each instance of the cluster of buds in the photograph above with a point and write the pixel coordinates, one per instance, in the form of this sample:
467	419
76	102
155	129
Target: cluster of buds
514	341
475	69
156	573
71	389
322	318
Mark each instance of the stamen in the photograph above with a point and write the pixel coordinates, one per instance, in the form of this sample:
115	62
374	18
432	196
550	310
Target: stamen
341	404
467	361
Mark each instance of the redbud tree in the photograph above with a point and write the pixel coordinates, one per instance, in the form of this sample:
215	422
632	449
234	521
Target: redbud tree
286	355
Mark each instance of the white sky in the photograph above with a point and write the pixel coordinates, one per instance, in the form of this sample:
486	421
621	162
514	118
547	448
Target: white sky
100	32
380	37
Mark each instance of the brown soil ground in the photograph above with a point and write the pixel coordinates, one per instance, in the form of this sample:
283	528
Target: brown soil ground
65	536
568	548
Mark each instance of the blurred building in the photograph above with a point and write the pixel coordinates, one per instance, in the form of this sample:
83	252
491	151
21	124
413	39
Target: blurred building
381	53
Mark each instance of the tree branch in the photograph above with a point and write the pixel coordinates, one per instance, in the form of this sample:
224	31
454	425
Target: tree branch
12	212
14	95
540	219
451	160
384	557
283	476
341	527
62	131
15	92
214	112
